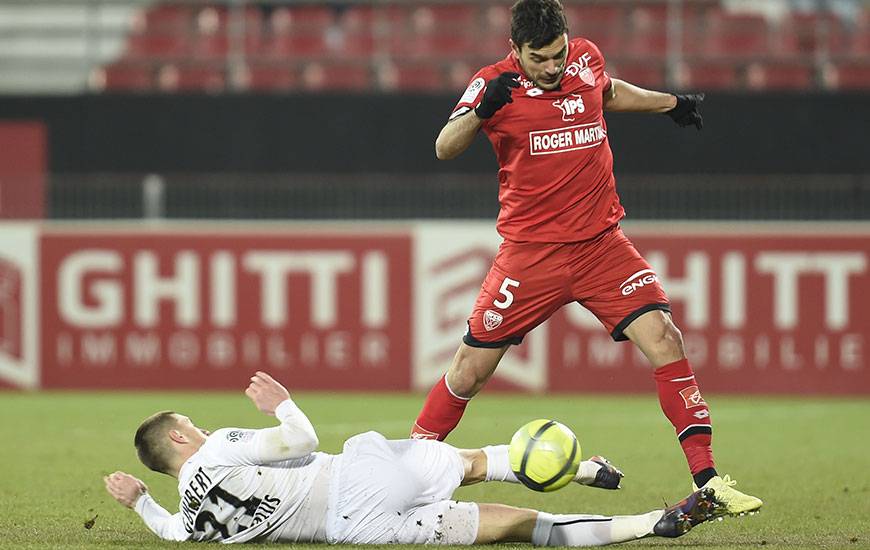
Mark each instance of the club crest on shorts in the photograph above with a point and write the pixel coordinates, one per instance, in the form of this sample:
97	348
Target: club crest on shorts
492	319
692	397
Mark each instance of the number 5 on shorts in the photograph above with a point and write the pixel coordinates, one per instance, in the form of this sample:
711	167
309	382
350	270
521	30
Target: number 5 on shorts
505	291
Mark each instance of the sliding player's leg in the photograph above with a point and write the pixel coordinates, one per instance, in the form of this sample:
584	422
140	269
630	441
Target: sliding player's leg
492	463
500	523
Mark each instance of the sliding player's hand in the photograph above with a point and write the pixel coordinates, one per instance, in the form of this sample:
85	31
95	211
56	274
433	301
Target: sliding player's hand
125	488
497	94
686	112
266	392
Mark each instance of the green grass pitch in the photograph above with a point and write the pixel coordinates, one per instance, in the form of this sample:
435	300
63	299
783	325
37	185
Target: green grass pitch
807	458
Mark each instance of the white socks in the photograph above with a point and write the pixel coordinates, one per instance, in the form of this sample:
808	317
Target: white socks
498	467
585	530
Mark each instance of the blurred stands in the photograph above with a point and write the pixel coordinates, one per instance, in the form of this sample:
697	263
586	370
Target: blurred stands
427	46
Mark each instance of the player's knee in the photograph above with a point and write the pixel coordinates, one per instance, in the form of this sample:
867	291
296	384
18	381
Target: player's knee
668	340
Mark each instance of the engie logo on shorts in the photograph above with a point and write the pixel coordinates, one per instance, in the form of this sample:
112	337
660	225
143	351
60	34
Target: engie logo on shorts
637	281
569	138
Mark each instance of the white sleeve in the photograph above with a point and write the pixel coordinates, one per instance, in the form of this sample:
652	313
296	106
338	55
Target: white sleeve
294	438
163	524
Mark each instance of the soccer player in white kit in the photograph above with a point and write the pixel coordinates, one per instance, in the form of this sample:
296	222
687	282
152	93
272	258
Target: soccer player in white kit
270	485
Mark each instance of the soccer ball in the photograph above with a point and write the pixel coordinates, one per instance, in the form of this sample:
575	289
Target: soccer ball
544	455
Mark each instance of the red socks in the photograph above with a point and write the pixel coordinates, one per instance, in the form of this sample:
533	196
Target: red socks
441	413
682	403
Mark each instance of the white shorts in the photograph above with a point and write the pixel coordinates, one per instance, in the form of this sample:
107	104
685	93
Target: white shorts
397	492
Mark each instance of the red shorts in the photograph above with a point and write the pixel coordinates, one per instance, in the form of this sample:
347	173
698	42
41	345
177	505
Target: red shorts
529	281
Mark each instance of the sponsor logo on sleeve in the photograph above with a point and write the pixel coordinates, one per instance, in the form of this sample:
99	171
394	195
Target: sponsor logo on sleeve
235	436
692	397
569	138
473	90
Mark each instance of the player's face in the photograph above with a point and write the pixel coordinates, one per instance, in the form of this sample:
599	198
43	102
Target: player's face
544	66
187	427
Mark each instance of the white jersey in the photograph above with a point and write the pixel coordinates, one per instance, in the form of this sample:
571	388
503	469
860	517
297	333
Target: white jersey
226	496
244	485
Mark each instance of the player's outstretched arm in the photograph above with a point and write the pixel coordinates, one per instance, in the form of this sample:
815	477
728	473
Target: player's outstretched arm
626	97
457	135
132	493
295	437
459	132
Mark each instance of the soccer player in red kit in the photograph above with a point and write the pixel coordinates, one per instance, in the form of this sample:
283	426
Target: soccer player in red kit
542	108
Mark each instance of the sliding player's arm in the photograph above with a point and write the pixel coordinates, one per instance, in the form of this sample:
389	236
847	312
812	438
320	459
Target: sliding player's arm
625	97
294	438
133	493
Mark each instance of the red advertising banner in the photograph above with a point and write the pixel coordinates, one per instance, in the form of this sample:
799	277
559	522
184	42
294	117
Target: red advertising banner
760	312
23	162
198	310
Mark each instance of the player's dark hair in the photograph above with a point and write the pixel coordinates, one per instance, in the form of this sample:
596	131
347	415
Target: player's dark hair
151	442
537	22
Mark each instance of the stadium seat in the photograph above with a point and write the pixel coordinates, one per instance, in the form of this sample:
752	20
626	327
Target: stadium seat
157	45
413	77
271	78
780	75
123	77
191	78
853	75
335	76
296	44
166	19
708	75
642	73
735	35
808	33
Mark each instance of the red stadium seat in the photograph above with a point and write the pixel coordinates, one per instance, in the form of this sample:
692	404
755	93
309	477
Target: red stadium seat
124	77
271	78
735	35
642	73
708	75
808	33
336	76
297	45
417	77
780	76
191	78
157	45
166	19
853	75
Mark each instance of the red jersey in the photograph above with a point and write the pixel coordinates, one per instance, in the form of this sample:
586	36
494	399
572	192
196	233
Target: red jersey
555	173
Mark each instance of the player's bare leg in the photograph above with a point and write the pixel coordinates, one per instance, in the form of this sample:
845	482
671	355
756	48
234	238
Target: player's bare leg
492	464
472	368
656	335
446	402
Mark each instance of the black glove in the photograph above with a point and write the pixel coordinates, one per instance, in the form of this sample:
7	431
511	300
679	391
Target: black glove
497	94
686	112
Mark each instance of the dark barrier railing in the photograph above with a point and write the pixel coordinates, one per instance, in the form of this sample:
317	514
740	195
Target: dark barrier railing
410	196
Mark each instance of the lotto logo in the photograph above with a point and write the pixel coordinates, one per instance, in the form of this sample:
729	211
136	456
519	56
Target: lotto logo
702	414
492	319
692	397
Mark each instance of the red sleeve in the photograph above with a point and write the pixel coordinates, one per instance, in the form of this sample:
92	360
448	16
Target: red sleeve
600	66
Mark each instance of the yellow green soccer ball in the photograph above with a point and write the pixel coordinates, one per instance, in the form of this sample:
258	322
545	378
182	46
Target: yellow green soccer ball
544	455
